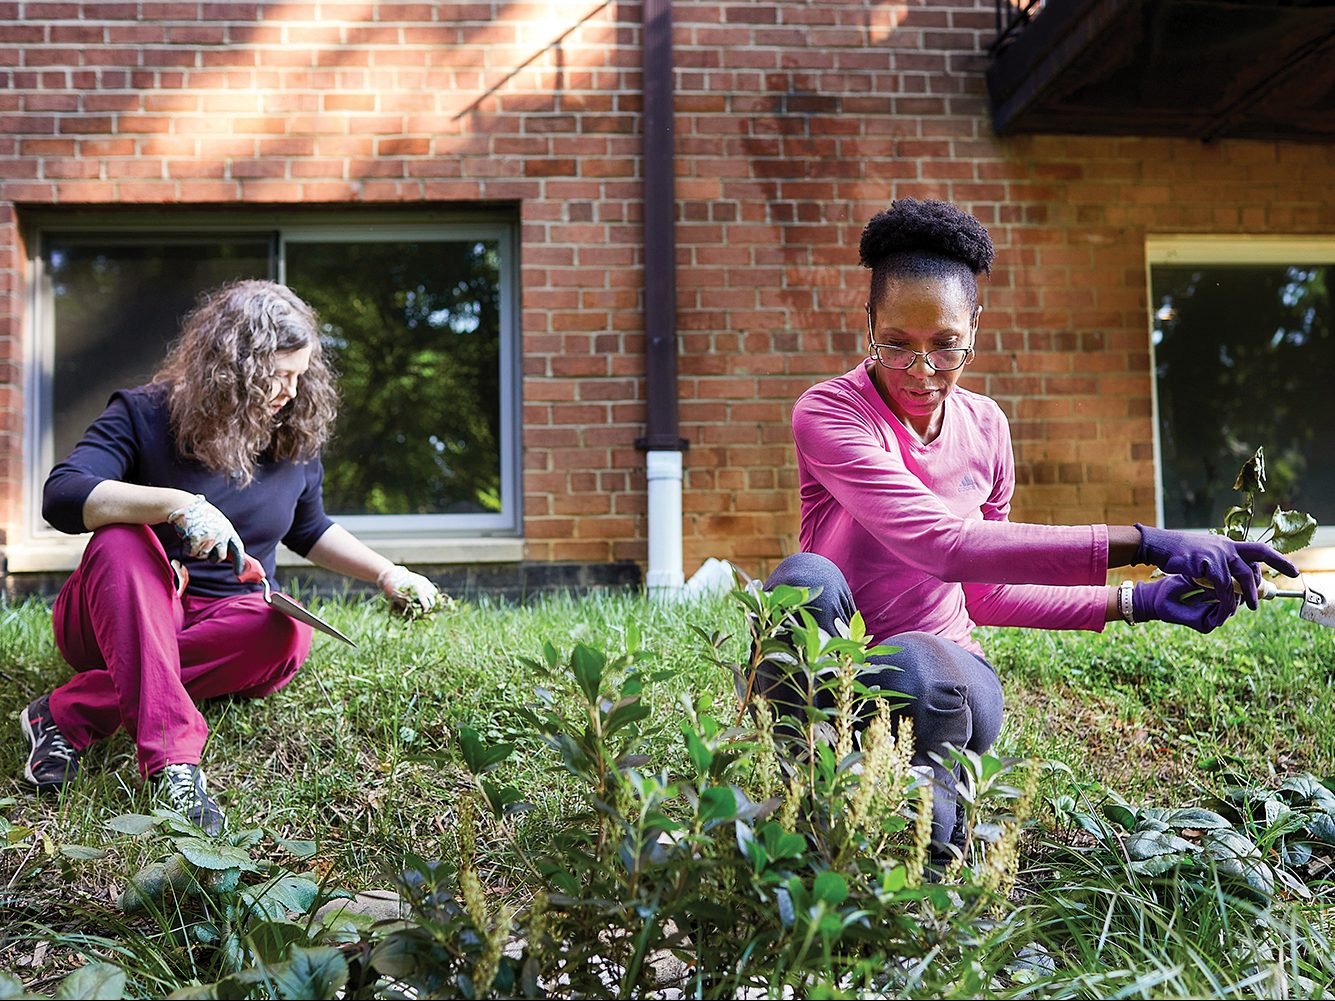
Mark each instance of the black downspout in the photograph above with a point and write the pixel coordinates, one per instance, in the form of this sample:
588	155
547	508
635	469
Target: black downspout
660	280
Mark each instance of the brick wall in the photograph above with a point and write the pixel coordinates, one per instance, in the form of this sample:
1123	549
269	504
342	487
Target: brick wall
795	121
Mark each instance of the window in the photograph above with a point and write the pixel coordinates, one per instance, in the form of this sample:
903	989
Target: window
418	317
1243	338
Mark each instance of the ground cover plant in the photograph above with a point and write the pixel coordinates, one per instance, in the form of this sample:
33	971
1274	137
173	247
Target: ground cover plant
566	792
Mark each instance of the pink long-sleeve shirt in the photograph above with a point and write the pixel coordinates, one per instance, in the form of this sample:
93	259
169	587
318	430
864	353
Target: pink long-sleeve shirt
920	531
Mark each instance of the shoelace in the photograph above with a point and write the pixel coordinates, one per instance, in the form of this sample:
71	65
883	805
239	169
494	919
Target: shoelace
182	787
57	746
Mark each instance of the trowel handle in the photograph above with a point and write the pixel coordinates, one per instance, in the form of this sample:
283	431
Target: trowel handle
252	572
1264	590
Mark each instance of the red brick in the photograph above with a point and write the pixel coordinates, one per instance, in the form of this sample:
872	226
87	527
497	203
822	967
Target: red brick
795	121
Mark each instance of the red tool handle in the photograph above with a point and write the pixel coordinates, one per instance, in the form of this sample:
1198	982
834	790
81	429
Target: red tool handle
252	572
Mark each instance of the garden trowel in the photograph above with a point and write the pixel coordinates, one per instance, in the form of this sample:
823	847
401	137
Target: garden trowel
254	574
1316	608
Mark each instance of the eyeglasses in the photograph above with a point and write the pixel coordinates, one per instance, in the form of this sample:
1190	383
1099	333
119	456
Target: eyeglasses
899	359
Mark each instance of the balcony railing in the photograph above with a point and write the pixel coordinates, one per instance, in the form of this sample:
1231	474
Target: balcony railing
1012	17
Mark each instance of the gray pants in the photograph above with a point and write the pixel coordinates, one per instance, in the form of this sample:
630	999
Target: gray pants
954	695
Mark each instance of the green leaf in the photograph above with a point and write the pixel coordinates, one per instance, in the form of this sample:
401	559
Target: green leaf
1230	844
13	834
1322	828
287	893
1251	477
209	855
751	846
624	713
478	757
1306	787
1158	864
551	655
93	981
780	844
1236	520
219	881
227	989
701	756
271	939
299	848
830	925
501	799
83	853
1121	815
1292	530
248	838
12	989
857	628
785	596
1146	844
990	765
1196	818
1235	855
587	665
718	803
831	888
150	884
894	880
319	972
133	824
572	754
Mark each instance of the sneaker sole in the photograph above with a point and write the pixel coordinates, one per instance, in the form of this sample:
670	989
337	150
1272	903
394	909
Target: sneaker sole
27	765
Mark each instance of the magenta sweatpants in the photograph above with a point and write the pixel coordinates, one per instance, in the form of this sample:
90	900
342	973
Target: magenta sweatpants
145	657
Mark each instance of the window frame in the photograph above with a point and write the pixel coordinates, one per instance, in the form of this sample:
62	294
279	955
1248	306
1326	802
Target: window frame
430	538
1205	250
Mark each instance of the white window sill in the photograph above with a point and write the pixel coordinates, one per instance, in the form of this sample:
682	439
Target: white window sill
62	555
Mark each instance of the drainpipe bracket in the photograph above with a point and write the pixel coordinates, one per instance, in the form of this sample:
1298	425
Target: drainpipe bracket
662	443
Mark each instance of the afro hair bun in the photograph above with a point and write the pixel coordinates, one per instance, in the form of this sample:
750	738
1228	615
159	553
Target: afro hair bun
931	227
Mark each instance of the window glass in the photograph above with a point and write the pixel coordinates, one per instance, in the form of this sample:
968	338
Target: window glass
412	316
115	305
413	329
1244	357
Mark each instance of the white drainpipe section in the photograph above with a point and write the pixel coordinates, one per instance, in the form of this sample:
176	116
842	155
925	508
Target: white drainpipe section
665	577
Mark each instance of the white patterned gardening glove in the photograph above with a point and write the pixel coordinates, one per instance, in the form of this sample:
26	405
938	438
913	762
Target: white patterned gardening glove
411	593
208	534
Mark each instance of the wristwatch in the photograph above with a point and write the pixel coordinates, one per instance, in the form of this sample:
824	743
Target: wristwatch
1125	590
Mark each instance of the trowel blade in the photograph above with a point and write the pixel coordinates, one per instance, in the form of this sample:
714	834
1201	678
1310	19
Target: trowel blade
289	607
1317	609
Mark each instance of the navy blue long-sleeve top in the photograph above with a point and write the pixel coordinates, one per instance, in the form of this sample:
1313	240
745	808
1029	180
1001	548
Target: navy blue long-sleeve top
132	441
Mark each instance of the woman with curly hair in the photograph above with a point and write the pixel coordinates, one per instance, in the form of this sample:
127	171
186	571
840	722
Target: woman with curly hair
178	480
906	483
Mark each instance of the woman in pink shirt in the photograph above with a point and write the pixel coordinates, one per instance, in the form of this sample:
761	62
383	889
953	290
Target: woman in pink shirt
906	482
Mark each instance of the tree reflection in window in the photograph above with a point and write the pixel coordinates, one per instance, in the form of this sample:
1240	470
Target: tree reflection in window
1244	356
414	331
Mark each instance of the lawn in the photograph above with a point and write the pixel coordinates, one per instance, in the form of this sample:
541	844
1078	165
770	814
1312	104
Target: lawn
360	756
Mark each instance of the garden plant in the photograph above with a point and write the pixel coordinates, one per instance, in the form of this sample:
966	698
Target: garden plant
584	797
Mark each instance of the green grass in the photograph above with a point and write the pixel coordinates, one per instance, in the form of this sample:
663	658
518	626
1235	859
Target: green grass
1160	712
357	752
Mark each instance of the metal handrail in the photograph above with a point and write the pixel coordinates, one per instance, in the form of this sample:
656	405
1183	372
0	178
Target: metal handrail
1012	17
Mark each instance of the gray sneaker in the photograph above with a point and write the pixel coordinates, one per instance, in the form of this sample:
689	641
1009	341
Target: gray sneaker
52	761
183	789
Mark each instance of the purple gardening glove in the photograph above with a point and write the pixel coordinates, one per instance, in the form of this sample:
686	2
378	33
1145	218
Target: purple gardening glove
1212	558
1163	600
